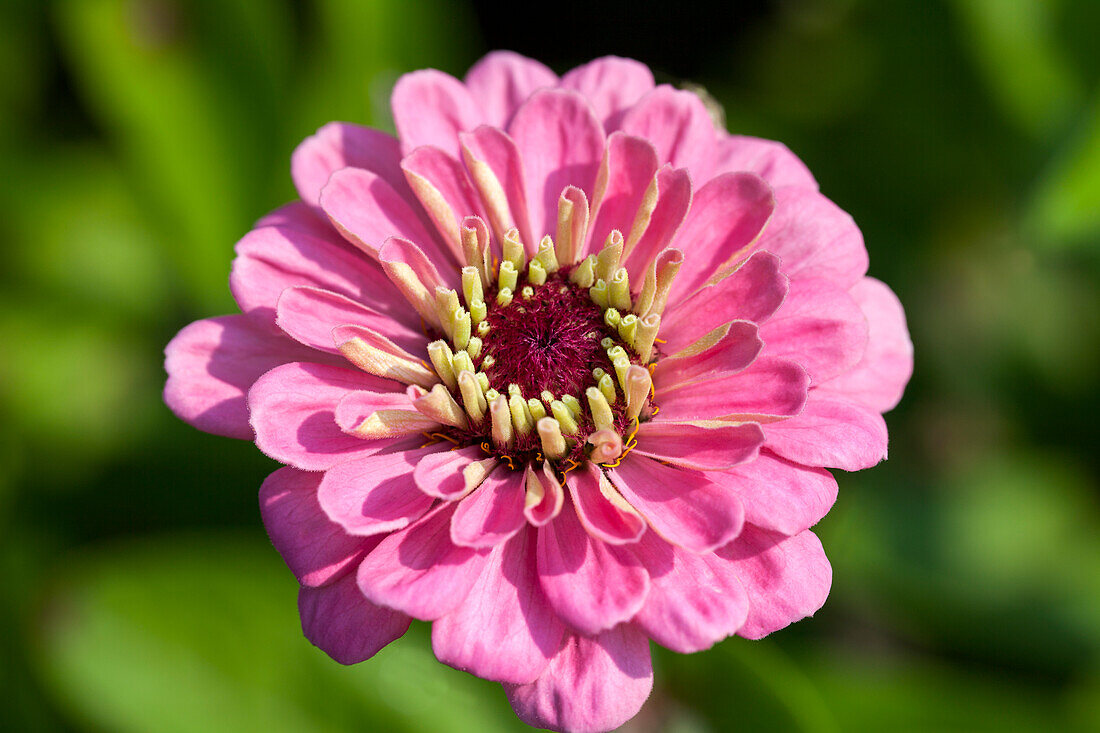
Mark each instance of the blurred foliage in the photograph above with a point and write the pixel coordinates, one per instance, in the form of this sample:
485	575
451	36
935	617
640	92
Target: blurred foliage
140	139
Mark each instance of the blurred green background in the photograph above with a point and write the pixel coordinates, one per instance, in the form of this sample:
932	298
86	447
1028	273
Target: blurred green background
141	138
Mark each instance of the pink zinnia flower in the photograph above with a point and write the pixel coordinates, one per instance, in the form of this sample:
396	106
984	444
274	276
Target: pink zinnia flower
560	369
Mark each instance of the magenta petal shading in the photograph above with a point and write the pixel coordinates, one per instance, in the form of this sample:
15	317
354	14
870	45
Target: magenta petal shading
502	80
505	630
309	315
561	144
752	292
627	169
419	571
710	448
293	412
431	108
772	161
611	85
694	600
492	513
212	363
684	507
787	578
726	216
879	379
733	352
678	125
374	494
316	549
831	433
821	326
769	388
341	623
814	238
602	511
299	217
341	145
592	685
592	585
440	474
780	495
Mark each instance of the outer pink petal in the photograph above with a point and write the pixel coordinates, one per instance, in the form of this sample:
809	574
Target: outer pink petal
316	549
593	586
787	578
704	449
301	218
732	353
772	161
684	507
820	326
505	630
492	513
694	600
272	259
592	684
561	144
293	412
212	363
779	495
600	517
340	145
830	433
440	474
501	81
627	169
726	215
419	571
768	388
611	85
673	202
346	626
752	292
431	108
374	494
879	379
309	315
678	125
815	238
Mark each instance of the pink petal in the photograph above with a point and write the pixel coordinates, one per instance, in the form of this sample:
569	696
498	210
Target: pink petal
293	413
879	379
628	167
341	145
341	623
492	513
272	259
709	448
611	85
440	474
678	125
772	161
374	494
726	215
614	522
694	600
504	630
820	326
673	202
561	144
731	353
553	497
301	218
683	507
831	433
502	80
591	685
440	183
431	108
498	152
787	578
309	315
316	549
368	211
592	585
419	571
768	388
815	238
212	363
752	292
415	275
393	413
779	495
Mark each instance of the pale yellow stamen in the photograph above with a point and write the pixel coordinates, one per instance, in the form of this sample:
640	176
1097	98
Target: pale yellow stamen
536	272
536	408
598	293
439	352
607	262
504	296
572	403
628	328
553	443
564	416
472	397
546	255
602	417
446	301
611	317
509	276
522	419
460	323
584	275
473	347
471	285
646	335
478	311
606	385
441	407
501	418
513	250
619	290
638	385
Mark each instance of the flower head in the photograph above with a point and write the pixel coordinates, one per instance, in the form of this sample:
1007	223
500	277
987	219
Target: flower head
559	369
